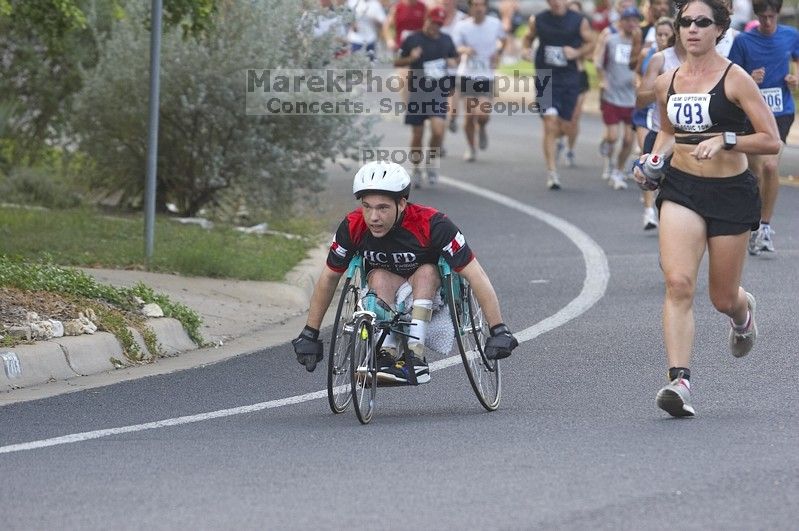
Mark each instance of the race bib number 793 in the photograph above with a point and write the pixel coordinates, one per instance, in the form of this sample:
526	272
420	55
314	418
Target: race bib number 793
690	112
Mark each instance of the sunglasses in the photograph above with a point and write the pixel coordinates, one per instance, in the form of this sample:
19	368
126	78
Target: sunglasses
701	22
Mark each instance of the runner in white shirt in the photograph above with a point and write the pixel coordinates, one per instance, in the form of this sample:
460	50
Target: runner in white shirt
454	16
480	40
369	18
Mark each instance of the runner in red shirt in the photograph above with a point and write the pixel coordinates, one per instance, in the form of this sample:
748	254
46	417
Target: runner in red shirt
405	17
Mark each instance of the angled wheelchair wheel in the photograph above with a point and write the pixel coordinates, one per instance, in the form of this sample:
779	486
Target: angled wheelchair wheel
471	332
363	372
338	361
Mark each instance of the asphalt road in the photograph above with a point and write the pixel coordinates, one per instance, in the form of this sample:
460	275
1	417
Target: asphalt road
577	442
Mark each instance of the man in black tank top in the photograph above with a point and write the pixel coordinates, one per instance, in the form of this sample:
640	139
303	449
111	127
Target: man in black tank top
564	36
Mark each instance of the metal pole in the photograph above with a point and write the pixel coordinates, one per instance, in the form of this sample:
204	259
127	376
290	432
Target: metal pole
152	133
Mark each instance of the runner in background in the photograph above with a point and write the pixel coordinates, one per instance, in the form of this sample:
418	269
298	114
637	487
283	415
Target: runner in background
511	20
427	53
479	40
767	53
564	37
365	31
617	92
404	17
453	17
656	10
573	130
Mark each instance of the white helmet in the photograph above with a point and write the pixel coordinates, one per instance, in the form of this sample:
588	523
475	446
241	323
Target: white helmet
382	177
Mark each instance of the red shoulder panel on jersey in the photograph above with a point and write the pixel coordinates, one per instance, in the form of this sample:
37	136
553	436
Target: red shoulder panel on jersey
417	221
357	226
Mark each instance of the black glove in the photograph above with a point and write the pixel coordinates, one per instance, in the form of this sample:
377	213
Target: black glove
501	343
308	348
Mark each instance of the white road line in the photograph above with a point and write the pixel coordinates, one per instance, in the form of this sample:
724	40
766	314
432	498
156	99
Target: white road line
597	275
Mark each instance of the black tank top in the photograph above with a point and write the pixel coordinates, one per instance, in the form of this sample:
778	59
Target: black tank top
554	32
712	112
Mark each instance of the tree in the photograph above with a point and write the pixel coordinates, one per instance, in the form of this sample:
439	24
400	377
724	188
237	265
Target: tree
207	143
44	46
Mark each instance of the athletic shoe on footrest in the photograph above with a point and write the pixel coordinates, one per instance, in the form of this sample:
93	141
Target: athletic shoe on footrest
400	373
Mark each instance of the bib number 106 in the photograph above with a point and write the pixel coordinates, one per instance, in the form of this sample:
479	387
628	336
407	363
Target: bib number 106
773	98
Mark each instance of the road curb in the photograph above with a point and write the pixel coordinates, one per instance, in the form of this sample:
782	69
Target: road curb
90	354
70	357
26	365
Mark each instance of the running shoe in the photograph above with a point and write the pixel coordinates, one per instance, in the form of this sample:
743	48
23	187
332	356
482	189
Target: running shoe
384	361
468	155
570	160
617	180
453	125
553	180
650	219
417	178
764	239
742	342
400	373
753	247
432	176
483	137
675	398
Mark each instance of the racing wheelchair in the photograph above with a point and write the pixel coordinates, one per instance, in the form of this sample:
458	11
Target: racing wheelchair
361	327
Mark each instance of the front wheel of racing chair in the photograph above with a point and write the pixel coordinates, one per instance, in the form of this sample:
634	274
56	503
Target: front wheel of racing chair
338	362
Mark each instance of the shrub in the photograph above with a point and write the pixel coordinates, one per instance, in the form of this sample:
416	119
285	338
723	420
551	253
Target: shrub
37	186
207	143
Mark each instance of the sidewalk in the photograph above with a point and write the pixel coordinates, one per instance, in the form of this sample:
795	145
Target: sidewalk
238	317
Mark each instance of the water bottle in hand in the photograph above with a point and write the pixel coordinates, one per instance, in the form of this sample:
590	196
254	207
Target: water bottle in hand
653	170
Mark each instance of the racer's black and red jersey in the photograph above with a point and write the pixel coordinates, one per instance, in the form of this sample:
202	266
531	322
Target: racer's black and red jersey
422	235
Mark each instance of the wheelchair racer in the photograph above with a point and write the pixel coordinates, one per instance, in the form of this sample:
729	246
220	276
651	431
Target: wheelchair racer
400	242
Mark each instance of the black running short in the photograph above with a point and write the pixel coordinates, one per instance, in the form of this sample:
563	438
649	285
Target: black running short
729	205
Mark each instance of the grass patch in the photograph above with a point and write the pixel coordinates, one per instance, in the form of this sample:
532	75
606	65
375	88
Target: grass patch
86	238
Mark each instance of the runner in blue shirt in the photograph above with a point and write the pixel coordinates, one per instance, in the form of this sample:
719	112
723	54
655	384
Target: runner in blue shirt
767	52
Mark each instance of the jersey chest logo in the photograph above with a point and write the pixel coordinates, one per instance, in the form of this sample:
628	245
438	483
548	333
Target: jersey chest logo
383	257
